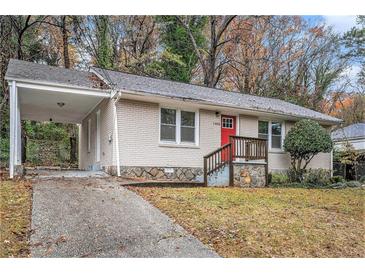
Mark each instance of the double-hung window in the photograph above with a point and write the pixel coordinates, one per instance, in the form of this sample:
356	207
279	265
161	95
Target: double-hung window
273	132
264	130
168	124
178	126
187	126
276	132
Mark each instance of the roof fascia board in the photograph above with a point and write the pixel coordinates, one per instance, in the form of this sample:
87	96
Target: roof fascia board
238	109
52	84
344	139
63	89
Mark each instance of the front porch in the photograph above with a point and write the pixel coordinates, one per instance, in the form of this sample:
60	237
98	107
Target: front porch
242	162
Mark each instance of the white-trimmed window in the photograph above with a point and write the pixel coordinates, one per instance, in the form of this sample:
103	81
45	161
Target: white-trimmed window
187	126
178	126
273	132
168	124
89	135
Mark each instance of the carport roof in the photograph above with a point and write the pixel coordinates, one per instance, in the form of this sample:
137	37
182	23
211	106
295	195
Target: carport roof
22	70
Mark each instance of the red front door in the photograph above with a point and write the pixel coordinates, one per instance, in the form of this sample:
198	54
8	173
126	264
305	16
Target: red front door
228	128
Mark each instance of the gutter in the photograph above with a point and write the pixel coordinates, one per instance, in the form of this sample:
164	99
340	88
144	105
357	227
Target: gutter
52	84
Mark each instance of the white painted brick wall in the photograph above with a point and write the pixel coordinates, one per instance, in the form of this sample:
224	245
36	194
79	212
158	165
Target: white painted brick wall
138	124
139	137
106	128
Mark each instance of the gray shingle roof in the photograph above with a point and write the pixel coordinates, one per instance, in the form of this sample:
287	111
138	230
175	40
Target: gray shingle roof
216	96
18	69
349	132
37	72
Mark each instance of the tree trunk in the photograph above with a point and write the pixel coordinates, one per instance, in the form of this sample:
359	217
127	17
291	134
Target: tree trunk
24	146
73	156
66	57
209	82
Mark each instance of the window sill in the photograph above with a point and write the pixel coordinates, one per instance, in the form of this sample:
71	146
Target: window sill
178	145
257	162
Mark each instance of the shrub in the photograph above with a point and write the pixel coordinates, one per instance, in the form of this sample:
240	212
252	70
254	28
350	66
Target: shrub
293	176
362	179
305	140
337	179
279	178
317	177
353	184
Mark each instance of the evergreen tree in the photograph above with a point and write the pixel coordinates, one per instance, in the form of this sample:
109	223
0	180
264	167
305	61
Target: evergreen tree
180	58
104	50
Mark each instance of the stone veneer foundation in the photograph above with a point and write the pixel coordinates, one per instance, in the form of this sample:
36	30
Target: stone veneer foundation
244	174
249	174
190	174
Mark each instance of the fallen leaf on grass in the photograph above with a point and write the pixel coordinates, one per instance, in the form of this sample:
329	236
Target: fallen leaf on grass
60	239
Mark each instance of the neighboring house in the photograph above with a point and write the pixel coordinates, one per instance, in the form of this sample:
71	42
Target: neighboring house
145	127
354	134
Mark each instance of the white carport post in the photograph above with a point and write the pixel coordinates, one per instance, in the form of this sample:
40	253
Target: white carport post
15	130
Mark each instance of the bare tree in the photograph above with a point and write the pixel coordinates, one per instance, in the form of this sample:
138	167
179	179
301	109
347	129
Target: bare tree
212	60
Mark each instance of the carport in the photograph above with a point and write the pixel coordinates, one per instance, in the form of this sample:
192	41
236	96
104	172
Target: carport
48	94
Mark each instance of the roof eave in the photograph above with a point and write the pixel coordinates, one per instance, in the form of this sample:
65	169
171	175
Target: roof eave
324	121
53	84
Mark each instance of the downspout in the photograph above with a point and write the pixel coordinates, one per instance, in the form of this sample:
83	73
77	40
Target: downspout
116	139
13	144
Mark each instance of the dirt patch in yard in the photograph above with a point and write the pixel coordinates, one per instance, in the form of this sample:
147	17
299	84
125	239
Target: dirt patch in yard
240	222
15	210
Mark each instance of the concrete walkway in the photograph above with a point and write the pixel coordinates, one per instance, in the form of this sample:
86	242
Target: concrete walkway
96	217
48	173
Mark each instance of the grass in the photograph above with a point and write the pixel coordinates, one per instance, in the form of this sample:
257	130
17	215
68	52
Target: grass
239	222
15	210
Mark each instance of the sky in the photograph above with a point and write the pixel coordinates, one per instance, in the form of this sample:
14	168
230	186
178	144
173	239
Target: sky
340	24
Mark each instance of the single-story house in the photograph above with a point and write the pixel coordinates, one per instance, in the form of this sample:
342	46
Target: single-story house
141	126
353	134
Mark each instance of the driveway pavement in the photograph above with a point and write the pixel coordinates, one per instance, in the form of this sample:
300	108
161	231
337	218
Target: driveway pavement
96	217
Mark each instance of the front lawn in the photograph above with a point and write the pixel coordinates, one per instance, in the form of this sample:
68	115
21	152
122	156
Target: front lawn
15	210
240	222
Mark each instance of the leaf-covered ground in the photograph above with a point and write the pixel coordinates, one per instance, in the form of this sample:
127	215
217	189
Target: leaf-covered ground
15	210
240	222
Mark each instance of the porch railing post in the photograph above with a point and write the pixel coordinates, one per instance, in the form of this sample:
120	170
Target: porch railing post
267	162
230	165
205	172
